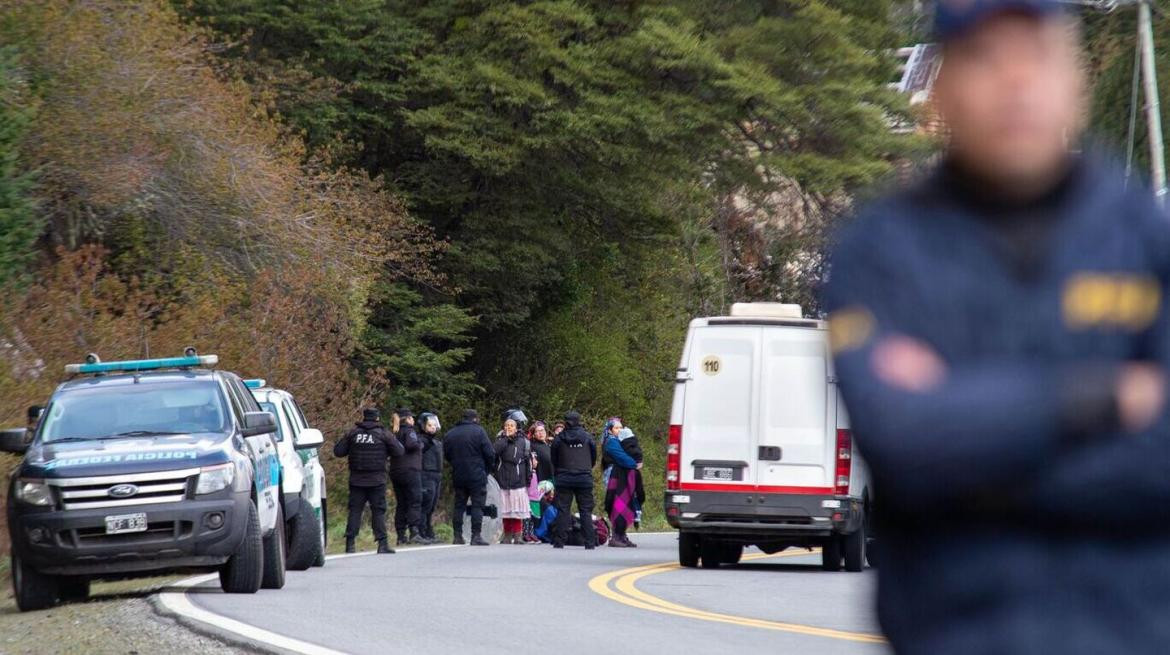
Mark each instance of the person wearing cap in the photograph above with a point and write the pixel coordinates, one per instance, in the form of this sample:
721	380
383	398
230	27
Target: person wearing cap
432	471
406	478
1001	338
367	446
468	450
574	453
33	419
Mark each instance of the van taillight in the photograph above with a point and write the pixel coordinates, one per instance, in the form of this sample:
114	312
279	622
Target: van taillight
673	455
844	462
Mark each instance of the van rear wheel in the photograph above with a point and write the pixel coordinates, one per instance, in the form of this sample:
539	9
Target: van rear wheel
855	550
688	549
712	552
732	553
831	554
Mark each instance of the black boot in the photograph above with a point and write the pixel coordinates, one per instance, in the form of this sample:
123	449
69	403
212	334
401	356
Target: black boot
384	548
402	538
477	540
458	539
417	538
349	545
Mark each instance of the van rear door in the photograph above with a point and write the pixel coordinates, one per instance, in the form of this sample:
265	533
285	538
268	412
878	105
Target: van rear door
719	418
797	432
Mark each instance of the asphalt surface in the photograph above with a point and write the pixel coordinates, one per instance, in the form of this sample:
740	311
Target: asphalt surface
510	599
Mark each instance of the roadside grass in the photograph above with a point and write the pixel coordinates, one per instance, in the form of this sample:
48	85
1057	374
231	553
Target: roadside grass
117	618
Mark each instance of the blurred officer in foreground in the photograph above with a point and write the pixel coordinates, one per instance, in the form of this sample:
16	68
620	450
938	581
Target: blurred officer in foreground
469	452
367	446
1001	338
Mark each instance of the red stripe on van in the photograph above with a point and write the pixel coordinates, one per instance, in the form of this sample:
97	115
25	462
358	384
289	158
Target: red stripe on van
761	489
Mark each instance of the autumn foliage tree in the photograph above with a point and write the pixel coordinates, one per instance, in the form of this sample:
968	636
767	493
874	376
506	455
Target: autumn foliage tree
172	210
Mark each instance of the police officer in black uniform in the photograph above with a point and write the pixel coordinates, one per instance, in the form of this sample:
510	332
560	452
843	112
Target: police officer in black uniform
432	471
406	476
468	450
1001	338
367	446
574	453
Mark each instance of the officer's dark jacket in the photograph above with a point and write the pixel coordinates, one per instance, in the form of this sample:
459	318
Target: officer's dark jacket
367	446
432	453
513	462
573	454
410	461
468	450
1013	515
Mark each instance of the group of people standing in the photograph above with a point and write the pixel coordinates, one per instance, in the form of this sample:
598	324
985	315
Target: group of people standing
413	463
540	472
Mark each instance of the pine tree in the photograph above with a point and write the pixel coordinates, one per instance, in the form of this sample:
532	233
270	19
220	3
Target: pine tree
19	225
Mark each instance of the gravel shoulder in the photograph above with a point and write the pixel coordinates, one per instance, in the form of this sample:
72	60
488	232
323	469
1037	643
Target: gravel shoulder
118	618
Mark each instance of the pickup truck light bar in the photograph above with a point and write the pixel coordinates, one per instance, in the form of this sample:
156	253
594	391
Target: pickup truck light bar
186	361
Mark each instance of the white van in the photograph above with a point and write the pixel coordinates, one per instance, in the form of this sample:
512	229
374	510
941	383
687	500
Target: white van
760	451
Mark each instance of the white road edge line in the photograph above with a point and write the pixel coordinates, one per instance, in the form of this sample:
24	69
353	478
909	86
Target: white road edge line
177	602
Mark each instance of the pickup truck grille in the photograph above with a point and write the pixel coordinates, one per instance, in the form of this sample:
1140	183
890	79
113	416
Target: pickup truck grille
139	489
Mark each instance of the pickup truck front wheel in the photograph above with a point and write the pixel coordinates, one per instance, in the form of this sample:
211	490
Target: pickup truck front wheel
305	544
274	554
242	572
34	590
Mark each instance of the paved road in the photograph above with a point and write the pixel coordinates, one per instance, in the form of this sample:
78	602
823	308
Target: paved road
510	599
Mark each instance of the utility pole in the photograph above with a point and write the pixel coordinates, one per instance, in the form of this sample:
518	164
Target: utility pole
1153	104
1150	83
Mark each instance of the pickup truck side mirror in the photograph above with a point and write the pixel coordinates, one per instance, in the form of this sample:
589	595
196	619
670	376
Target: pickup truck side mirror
258	423
13	440
309	439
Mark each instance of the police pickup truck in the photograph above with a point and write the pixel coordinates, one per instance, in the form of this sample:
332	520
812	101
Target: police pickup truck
137	467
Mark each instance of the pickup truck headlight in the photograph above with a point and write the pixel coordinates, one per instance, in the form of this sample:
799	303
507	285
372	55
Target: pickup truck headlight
34	492
215	478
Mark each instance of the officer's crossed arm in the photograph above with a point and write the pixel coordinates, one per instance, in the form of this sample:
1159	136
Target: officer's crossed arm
934	431
1115	482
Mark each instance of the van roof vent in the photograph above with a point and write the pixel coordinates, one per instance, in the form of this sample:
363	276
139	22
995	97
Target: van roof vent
766	310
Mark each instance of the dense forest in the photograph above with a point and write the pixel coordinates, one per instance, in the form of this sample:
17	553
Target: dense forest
437	204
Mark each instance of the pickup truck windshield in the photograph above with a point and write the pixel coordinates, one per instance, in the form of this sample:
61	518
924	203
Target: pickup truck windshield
134	410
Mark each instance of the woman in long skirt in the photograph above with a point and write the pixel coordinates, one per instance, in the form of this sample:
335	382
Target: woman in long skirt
513	473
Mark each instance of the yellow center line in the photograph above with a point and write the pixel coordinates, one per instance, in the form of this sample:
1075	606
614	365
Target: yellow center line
624	590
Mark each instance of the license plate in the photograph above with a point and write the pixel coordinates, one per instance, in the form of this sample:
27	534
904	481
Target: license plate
724	473
124	523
